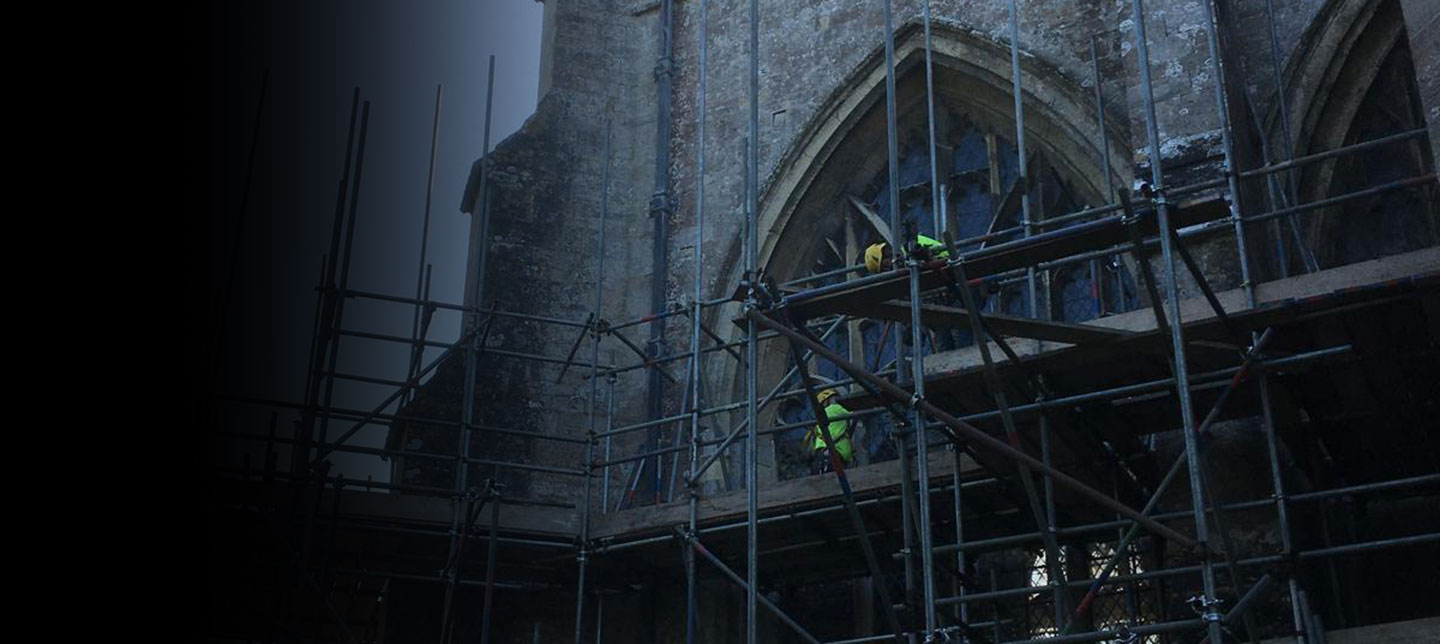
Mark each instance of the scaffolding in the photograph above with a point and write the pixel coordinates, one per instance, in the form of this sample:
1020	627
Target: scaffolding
1166	218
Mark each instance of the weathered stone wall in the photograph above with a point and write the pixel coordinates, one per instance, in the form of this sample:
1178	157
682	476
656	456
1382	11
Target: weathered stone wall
546	184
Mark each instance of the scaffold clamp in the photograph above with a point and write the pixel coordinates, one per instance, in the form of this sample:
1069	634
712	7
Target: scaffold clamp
1206	608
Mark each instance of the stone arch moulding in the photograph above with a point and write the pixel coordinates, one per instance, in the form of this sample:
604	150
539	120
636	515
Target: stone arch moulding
838	141
1057	113
1329	73
1337	68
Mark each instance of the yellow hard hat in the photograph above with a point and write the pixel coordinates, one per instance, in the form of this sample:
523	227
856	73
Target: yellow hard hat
825	393
873	255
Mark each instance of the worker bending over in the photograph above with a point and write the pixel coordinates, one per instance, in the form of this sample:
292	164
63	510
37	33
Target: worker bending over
878	257
838	429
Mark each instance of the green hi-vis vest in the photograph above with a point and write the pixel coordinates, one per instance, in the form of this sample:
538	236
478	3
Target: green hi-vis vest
839	432
936	248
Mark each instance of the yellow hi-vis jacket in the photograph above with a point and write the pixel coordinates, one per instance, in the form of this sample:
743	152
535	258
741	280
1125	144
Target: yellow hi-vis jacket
937	248
839	432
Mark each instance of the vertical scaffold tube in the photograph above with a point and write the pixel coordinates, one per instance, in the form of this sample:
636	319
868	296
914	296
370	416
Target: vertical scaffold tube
487	617
1027	223
660	219
1232	179
922	457
337	320
1273	450
583	556
478	241
962	609
937	194
1024	180
692	485
1097	278
1281	506
609	425
417	351
922	444
1177	340
480	222
752	354
1057	585
1227	142
1283	109
899	246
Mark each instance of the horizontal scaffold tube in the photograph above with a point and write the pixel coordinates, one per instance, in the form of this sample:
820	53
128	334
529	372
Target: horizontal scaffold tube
442	534
1227	224
380	451
997	543
244	474
784	514
1268	560
1218	225
355	414
1161	384
724	346
710	411
461	308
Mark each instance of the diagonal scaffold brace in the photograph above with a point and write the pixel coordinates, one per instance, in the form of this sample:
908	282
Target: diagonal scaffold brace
1122	548
592	329
963	429
1038	391
838	466
689	538
997	392
1171	240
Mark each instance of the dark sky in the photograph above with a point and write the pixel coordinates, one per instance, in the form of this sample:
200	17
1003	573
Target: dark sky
316	53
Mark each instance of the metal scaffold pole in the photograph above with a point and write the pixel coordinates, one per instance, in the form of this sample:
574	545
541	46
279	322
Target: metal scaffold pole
922	459
609	424
1097	275
582	556
324	323
487	616
898	248
419	323
922	442
336	307
937	189
1177	340
1282	509
1232	176
480	224
1043	518
467	404
752	353
692	482
338	302
226	292
962	611
660	210
1027	221
1287	189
